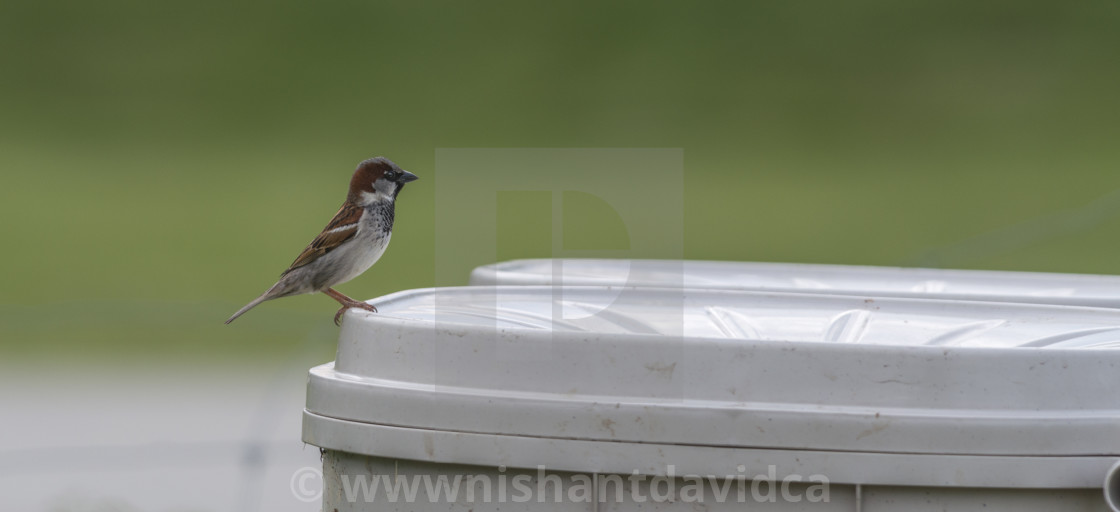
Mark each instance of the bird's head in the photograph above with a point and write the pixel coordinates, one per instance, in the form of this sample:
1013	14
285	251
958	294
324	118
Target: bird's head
377	179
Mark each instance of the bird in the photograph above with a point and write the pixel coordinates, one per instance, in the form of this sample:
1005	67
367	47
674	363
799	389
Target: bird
351	243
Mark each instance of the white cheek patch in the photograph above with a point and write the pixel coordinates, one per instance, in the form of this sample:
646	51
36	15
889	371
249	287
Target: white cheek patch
383	191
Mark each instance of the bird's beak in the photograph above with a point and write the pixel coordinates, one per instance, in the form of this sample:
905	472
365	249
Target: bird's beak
407	177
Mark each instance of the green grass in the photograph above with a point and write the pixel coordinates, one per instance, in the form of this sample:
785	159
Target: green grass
162	163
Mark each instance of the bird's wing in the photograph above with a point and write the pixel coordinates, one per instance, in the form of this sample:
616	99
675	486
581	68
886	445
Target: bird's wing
341	228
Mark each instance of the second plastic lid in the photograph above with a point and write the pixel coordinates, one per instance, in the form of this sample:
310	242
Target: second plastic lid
1029	287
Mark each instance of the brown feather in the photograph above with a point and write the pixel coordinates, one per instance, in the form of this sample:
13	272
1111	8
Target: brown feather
368	171
328	240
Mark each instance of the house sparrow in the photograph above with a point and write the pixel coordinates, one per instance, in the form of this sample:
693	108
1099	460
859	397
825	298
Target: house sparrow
352	241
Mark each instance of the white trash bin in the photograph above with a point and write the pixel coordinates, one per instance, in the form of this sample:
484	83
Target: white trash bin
582	398
981	285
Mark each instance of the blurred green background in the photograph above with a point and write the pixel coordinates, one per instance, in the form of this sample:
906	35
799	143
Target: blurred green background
163	161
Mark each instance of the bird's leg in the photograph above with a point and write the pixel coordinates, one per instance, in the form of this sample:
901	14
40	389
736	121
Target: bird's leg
347	303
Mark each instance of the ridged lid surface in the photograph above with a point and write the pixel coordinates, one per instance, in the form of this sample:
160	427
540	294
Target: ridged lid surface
726	368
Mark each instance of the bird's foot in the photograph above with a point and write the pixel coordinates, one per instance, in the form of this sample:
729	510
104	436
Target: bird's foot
353	304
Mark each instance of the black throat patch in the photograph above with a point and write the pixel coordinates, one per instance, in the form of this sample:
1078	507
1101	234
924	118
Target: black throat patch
384	212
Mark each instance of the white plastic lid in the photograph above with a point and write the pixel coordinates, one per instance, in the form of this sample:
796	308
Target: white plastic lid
725	369
1039	288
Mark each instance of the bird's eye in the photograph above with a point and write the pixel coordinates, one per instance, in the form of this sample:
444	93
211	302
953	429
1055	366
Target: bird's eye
391	175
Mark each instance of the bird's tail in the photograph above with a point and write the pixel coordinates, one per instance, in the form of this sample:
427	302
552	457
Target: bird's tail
264	296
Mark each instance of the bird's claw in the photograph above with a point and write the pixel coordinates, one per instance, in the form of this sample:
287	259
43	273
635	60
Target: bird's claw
355	304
